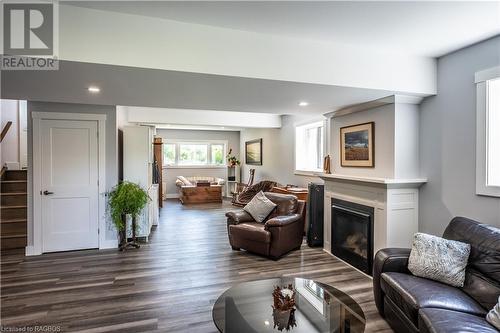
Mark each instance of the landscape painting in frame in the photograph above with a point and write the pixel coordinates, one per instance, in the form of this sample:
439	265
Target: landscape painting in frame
253	152
357	145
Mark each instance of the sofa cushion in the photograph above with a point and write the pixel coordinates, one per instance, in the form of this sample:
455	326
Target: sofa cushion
260	207
493	317
252	231
183	181
439	259
482	276
412	293
447	321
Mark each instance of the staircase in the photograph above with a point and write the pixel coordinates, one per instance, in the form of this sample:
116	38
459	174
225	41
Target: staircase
13	209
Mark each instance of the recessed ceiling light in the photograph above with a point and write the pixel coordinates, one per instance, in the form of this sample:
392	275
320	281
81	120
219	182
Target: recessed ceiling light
94	89
303	103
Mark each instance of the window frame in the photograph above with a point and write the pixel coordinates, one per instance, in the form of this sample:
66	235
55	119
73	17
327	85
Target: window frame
209	144
305	126
482	138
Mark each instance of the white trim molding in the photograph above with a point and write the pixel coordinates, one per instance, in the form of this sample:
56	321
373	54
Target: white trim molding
481	80
393	99
487	74
35	219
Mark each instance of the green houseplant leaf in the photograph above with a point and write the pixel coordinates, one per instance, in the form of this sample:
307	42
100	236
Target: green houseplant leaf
126	198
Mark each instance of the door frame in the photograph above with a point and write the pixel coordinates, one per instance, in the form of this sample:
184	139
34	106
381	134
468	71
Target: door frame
37	174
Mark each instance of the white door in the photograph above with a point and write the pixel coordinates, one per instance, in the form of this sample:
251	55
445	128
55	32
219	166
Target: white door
69	180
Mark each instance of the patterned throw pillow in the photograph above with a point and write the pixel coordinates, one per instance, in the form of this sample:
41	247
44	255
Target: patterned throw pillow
439	259
259	207
493	317
184	181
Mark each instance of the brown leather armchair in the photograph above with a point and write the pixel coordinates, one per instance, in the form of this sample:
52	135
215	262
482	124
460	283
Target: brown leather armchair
282	232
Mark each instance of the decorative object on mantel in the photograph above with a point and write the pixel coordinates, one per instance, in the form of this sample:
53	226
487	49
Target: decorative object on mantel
126	198
253	152
327	165
357	145
284	308
232	161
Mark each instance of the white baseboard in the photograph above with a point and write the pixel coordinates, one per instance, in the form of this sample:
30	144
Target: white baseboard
172	196
109	244
31	251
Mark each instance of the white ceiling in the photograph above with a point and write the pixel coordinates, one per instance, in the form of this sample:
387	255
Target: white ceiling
181	90
426	28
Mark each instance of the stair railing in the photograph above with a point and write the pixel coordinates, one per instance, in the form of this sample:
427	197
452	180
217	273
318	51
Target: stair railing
5	130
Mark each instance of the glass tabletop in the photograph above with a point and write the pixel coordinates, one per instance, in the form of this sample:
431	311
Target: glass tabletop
247	308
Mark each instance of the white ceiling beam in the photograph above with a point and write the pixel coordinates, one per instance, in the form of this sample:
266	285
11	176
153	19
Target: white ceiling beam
212	118
105	37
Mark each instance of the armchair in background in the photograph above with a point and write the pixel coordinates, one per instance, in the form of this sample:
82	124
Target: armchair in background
282	232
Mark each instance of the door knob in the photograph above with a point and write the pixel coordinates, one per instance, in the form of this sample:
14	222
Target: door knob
47	192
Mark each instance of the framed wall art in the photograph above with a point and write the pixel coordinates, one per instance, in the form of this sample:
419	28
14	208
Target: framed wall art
357	145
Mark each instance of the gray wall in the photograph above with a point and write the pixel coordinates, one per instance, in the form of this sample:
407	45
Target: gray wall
170	173
448	139
383	117
111	145
278	162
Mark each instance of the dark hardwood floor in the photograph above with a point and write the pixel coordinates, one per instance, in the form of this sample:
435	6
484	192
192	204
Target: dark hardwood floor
168	285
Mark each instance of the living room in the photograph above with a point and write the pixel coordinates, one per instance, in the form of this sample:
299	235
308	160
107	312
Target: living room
251	167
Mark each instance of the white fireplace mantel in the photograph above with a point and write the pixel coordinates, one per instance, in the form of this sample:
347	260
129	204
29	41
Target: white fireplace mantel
388	182
395	203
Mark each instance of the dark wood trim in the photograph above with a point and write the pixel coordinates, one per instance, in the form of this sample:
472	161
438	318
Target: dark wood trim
158	154
2	172
5	130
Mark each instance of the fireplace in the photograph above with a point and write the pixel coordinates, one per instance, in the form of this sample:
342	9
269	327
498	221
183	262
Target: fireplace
352	233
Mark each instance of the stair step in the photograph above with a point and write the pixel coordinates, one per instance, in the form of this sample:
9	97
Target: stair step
14	242
13	236
13	212
16	175
13	229
9	186
13	199
4	221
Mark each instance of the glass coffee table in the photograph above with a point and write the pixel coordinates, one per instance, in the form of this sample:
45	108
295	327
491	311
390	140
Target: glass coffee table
247	308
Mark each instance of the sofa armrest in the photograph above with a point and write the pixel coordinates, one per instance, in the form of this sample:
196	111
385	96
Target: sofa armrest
281	221
388	260
238	216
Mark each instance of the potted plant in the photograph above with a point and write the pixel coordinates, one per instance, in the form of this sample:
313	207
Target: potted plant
126	198
232	161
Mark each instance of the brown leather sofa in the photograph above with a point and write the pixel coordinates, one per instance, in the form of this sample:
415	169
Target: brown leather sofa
413	304
282	232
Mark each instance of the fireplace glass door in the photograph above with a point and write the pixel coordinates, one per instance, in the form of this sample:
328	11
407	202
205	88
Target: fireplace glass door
352	239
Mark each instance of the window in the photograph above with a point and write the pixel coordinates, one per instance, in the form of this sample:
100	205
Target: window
309	147
204	153
193	154
493	133
488	132
218	154
169	153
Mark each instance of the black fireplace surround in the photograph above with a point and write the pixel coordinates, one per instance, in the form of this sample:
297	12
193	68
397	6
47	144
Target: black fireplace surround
352	234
